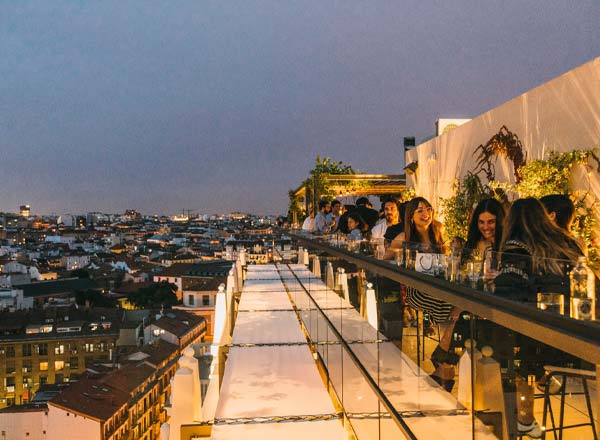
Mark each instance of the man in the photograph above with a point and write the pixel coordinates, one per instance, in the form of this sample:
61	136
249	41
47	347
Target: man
391	215
334	216
370	216
321	222
309	223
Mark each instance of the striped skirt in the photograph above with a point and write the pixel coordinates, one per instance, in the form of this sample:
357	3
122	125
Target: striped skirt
438	310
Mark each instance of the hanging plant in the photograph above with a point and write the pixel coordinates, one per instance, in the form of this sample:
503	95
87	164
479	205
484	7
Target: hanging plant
504	143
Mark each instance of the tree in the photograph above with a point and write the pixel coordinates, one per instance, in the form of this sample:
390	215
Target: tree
93	298
317	185
154	296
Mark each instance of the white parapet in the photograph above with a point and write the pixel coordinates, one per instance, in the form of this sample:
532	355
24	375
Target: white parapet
316	267
372	317
343	279
329	277
182	405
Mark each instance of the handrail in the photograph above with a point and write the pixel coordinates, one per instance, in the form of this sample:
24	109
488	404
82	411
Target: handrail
579	338
370	381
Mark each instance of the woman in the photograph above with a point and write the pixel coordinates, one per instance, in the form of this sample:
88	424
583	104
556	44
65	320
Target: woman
484	234
356	226
536	255
420	228
485	228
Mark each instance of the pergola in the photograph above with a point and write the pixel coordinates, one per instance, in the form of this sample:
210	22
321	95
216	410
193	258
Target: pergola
351	185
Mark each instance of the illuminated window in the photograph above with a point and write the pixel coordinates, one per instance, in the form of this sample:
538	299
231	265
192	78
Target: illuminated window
89	348
43	366
59	365
59	349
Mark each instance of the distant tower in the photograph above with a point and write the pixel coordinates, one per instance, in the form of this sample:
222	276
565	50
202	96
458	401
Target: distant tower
25	210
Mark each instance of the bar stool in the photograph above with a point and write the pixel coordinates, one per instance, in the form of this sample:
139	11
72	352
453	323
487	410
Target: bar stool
564	374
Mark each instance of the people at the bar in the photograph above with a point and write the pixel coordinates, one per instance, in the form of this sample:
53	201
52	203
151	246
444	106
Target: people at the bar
391	218
485	228
333	218
395	230
365	210
309	223
356	226
420	229
536	255
322	223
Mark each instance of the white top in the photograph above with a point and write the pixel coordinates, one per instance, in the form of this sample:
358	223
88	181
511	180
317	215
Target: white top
309	224
379	229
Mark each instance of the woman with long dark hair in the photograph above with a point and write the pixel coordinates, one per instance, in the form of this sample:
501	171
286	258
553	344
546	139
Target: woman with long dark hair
485	227
536	255
420	227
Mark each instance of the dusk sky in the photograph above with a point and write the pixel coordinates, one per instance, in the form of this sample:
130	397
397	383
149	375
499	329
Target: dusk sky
219	106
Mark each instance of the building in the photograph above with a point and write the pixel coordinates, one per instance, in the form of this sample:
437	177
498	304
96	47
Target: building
200	298
51	347
25	210
176	327
125	403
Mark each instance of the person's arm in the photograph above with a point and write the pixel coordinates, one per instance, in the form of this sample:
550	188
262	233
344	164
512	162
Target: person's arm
395	245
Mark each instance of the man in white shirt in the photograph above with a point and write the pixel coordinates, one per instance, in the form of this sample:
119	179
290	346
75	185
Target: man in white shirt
392	217
309	223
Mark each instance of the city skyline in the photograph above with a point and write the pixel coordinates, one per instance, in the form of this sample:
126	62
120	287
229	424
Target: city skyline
219	107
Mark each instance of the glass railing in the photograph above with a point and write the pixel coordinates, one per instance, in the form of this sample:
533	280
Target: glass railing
451	343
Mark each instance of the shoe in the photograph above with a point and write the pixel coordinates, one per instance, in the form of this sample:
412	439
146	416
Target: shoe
440	356
533	430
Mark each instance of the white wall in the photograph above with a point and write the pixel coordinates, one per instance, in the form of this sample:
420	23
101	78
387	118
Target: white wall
560	115
30	425
64	425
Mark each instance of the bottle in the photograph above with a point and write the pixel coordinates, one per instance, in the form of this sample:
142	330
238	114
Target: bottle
583	294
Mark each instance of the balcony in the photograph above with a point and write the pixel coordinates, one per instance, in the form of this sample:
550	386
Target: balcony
378	367
323	348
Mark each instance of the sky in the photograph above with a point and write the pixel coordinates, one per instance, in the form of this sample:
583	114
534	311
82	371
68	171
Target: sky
221	106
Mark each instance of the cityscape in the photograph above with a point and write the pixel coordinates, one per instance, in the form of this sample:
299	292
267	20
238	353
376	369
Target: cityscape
300	220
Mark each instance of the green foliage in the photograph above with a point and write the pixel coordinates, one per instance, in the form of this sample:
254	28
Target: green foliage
154	296
324	189
551	176
456	210
325	166
94	299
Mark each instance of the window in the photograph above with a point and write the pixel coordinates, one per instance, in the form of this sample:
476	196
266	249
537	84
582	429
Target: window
205	300
191	300
10	351
74	363
26	367
43	380
59	365
43	366
59	349
58	378
10	367
43	349
89	347
26	350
